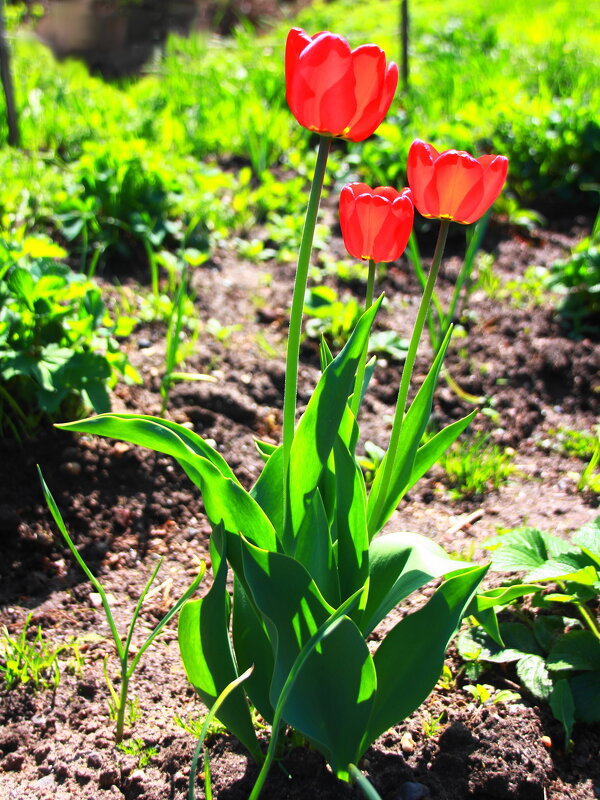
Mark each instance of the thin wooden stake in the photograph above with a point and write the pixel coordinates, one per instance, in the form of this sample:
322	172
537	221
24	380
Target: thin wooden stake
14	138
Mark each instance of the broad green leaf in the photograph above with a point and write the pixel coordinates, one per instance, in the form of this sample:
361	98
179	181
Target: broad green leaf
350	522
573	566
518	636
318	427
22	285
524	549
575	650
534	676
268	489
399	563
333	695
206	653
588	538
410	658
157	434
563	707
252	648
547	629
225	501
413	428
586	694
290	603
314	550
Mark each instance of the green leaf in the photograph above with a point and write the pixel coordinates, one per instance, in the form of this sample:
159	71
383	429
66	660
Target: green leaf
225	501
314	550
350	522
524	549
575	650
155	433
333	695
413	427
410	659
502	596
586	694
547	629
268	489
289	602
399	563
22	285
563	707
588	538
571	566
534	676
318	427
208	659
518	636
252	648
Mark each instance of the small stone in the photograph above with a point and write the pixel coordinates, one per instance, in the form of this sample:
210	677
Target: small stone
119	448
47	780
546	741
413	791
72	468
407	743
96	600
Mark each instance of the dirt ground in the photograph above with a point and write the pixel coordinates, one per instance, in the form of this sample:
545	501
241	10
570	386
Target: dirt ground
125	507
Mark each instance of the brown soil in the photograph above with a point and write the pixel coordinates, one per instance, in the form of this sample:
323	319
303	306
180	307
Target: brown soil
125	507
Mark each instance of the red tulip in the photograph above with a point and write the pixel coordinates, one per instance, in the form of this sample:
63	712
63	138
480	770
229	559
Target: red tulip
334	90
376	223
453	185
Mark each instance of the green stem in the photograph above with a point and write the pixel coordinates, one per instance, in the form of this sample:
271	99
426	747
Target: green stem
360	375
388	465
293	347
589	619
122	703
363	784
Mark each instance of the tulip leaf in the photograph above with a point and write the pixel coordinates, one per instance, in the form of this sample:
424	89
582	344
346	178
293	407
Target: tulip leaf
413	428
268	489
252	648
315	551
429	453
155	433
290	603
350	522
399	563
410	659
318	427
225	500
208	659
333	694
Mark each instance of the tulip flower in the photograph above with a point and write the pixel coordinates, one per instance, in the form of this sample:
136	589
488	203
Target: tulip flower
453	185
376	223
334	90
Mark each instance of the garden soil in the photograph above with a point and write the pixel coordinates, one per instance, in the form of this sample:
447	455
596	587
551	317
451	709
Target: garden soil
125	507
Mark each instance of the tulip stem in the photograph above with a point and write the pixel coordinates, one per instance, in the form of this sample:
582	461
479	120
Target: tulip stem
388	463
293	347
360	374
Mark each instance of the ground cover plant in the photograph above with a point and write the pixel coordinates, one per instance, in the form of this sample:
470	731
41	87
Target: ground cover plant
228	233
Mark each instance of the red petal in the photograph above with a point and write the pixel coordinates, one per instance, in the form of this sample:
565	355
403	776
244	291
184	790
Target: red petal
374	114
458	179
419	168
495	169
297	41
322	88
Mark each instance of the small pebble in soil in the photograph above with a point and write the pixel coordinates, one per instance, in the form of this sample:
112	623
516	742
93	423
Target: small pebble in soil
407	743
412	791
94	760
